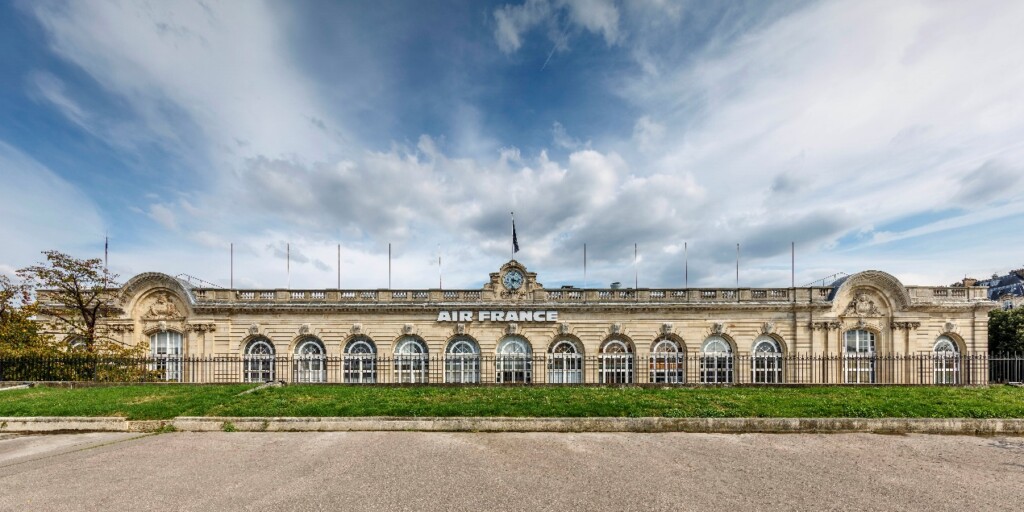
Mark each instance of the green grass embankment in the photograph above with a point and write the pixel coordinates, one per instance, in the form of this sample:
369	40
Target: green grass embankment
168	401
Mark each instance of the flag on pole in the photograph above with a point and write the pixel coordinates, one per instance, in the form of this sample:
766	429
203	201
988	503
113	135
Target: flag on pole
515	239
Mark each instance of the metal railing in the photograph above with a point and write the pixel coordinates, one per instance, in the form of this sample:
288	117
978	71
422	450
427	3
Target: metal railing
607	369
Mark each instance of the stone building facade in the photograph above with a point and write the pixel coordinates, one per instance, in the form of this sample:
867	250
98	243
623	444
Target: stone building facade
513	329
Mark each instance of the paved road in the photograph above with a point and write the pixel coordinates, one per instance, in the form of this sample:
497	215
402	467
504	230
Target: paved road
423	471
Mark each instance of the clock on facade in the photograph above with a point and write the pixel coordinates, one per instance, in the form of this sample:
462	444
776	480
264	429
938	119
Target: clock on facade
513	279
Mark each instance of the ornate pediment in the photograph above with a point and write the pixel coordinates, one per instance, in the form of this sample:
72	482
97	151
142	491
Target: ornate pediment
862	305
161	306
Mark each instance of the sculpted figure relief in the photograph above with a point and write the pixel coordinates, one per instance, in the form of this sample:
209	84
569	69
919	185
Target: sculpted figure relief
162	307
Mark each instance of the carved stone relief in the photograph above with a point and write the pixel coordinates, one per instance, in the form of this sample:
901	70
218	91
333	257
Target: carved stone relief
161	307
862	305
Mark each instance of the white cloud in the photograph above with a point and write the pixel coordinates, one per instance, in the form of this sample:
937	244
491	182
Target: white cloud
224	65
41	211
163	215
512	22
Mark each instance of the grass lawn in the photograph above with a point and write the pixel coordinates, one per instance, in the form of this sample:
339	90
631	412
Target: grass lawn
167	401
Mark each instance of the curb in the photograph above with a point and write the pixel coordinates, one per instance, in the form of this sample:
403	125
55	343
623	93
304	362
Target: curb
950	426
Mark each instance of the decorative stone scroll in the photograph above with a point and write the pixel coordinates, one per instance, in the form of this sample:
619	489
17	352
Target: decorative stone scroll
512	329
666	328
616	328
201	327
121	328
304	329
951	327
254	329
356	329
563	328
825	326
905	326
460	329
768	328
408	329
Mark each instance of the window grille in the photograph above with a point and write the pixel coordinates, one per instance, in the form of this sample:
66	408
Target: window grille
258	361
166	347
859	357
946	360
716	362
513	364
411	362
310	361
360	362
766	361
667	363
565	363
615	363
462	361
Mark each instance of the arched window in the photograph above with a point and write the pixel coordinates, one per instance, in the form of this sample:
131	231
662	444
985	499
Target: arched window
565	362
766	361
462	361
77	344
411	361
310	364
166	350
859	357
514	362
615	362
360	361
946	360
668	362
716	361
259	361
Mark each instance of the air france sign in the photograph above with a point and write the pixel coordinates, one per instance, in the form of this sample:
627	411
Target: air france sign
497	316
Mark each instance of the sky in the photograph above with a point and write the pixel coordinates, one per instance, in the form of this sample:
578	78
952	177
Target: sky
873	135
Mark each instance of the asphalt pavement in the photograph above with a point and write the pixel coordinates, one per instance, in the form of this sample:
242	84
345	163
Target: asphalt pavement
509	471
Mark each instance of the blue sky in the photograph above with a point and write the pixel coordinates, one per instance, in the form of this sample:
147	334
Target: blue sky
874	135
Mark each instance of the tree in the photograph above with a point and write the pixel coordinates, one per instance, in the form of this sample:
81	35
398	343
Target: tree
19	332
73	294
1006	331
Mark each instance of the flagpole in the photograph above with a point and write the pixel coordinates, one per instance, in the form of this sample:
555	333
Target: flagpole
513	248
584	266
232	278
288	258
686	266
792	265
440	281
636	273
339	266
389	265
106	252
737	265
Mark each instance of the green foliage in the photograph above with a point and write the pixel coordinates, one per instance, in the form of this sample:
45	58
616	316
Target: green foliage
19	332
73	294
1006	331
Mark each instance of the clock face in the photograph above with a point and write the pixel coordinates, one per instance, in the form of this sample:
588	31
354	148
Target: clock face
513	279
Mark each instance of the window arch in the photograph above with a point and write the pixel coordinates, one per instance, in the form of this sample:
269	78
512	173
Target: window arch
615	362
565	362
716	361
360	361
859	357
310	361
766	360
667	362
166	347
462	361
77	344
946	360
258	361
514	361
411	365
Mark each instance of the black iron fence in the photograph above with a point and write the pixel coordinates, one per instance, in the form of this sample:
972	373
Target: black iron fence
655	368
